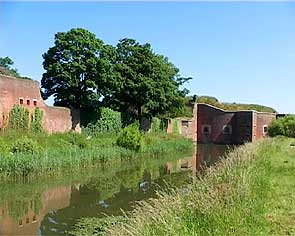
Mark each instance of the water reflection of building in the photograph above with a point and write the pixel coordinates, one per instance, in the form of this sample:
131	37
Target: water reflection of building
204	155
29	224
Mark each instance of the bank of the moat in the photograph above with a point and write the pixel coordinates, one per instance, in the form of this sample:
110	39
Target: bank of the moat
52	205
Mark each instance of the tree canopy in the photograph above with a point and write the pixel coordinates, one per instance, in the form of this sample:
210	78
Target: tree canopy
83	72
74	67
144	82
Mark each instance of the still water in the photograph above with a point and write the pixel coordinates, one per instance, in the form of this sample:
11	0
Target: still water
51	205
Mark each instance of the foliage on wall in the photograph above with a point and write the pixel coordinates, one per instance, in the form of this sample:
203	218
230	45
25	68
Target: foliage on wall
159	125
36	121
19	118
175	126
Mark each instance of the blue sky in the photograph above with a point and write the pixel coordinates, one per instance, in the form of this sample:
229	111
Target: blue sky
237	52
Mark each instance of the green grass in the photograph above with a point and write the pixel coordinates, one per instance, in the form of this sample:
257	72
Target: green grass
26	154
281	205
251	192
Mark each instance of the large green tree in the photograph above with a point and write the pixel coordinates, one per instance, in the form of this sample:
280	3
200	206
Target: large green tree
144	82
6	67
75	69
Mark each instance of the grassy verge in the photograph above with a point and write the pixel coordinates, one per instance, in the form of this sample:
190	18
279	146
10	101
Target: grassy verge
249	193
36	154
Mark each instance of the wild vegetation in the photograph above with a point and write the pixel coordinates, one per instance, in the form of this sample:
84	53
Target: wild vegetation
251	192
33	154
233	106
283	126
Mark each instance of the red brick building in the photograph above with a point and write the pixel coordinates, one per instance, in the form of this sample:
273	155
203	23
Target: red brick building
18	91
214	125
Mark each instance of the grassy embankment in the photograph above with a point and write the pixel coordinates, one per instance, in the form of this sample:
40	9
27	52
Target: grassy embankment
252	192
36	154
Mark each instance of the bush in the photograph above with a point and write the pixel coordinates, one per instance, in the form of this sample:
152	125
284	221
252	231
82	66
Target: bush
175	126
25	146
78	140
109	122
283	126
36	121
131	138
19	118
276	128
158	125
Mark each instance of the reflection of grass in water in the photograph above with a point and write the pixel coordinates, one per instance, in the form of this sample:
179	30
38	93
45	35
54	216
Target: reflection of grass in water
106	178
20	207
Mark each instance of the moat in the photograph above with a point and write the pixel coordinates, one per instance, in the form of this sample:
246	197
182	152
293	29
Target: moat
51	205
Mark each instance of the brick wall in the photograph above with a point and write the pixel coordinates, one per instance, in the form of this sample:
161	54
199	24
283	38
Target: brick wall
215	119
16	91
261	120
244	126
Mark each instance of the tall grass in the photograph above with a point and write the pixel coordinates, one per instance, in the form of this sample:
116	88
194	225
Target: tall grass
42	153
229	199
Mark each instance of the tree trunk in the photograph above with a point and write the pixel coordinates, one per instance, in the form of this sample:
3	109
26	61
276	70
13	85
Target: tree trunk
139	115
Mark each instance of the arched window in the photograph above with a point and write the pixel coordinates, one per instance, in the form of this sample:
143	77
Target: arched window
265	129
227	129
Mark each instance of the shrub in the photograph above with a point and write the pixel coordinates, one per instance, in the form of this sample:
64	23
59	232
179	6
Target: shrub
19	118
109	122
25	146
158	125
283	126
175	126
36	121
275	128
131	138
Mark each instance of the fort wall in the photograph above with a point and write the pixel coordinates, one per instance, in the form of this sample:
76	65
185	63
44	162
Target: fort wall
25	92
214	125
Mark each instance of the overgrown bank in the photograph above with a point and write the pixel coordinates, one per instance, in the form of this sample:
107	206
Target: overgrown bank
249	193
23	154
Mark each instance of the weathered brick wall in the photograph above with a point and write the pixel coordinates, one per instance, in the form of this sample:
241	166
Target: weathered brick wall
247	126
263	119
216	119
186	127
195	123
243	127
57	119
16	91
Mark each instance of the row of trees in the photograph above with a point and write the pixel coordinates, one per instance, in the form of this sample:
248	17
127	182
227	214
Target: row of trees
85	73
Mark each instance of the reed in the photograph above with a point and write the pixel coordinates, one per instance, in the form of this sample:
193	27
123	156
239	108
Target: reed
26	154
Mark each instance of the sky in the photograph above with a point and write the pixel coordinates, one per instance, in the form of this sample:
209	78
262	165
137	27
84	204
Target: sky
235	51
